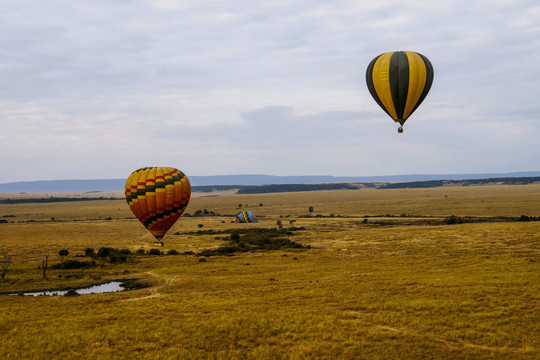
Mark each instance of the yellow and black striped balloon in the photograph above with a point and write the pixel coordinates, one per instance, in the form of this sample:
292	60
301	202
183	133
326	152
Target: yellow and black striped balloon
399	81
158	196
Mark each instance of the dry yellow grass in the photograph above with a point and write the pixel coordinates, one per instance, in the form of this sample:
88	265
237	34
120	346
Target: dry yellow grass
362	292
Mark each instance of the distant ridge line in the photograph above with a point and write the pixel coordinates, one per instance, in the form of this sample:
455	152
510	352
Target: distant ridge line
219	180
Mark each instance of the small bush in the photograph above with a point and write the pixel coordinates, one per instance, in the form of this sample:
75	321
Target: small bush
71	292
140	252
451	220
105	251
172	252
89	252
154	252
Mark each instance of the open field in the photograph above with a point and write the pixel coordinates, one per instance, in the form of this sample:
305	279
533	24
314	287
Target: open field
385	278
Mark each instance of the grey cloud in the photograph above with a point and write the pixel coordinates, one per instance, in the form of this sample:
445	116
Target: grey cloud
284	78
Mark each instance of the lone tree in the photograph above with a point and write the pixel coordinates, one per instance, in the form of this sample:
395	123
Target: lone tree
292	222
200	226
6	260
63	253
45	265
279	224
310	210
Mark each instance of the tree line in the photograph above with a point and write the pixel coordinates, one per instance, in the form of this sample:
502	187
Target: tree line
439	183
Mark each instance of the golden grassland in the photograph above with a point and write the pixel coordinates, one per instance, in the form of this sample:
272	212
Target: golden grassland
363	291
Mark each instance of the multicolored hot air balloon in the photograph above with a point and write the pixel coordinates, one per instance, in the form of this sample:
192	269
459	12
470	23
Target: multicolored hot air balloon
158	196
399	81
245	217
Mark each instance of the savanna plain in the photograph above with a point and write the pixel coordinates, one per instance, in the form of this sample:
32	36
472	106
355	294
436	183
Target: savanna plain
441	273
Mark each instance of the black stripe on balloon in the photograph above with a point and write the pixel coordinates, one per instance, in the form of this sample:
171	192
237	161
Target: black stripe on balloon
371	87
150	220
181	176
429	81
160	185
141	169
399	81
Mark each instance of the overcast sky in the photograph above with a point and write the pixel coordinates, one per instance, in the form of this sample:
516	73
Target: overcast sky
96	89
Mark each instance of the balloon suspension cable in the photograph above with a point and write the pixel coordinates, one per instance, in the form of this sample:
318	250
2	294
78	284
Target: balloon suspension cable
400	130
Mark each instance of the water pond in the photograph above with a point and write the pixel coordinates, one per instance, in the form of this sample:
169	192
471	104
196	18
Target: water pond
113	286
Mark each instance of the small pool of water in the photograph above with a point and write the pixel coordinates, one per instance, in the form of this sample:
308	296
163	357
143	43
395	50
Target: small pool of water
113	286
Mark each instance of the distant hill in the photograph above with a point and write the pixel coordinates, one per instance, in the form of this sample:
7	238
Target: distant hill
44	186
281	188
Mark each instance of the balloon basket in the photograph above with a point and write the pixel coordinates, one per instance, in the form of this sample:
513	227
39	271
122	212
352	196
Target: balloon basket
158	243
400	130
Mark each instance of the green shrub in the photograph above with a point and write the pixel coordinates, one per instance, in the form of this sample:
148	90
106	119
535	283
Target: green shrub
105	251
72	264
117	258
255	239
451	220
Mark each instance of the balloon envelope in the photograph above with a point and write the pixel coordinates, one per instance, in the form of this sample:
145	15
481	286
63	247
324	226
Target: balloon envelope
399	81
158	196
245	217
